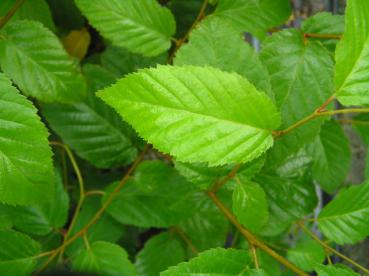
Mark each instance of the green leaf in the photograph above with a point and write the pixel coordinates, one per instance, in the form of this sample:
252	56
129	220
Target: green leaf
306	254
345	219
361	126
329	170
25	178
103	258
351	78
207	227
142	27
157	196
217	261
36	61
37	10
160	252
254	16
289	199
299	84
42	218
121	62
66	14
334	270
217	43
198	114
92	128
16	252
250	205
105	229
324	23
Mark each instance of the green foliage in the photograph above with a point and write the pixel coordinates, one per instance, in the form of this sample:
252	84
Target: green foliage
189	138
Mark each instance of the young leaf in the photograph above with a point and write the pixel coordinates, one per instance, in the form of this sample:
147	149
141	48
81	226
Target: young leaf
299	84
331	270
42	69
217	43
25	178
345	219
198	114
92	128
352	82
254	16
306	254
159	253
217	261
142	27
329	170
157	196
16	252
103	258
250	205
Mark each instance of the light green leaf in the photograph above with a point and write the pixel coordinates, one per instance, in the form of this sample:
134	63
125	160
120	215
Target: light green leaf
197	114
105	259
361	126
329	170
352	81
36	61
207	227
157	196
345	219
335	270
217	43
105	229
92	128
324	23
250	205
254	16
142	27
16	252
299	84
24	178
160	252
42	218
37	10
121	62
306	254
217	261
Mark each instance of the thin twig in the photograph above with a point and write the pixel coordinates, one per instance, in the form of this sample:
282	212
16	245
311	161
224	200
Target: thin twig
186	239
10	13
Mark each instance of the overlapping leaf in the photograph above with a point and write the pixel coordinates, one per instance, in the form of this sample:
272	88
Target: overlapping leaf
159	253
140	26
254	16
334	270
104	258
352	78
299	84
197	114
346	218
92	128
24	177
329	170
36	61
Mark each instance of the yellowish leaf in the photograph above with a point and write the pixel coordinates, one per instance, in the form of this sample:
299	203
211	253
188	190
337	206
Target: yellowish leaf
77	42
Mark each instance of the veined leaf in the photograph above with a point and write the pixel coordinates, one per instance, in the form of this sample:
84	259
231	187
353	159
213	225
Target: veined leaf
250	205
351	78
299	84
104	258
36	61
217	43
142	27
329	170
345	219
334	270
157	196
196	114
24	178
160	252
91	127
16	252
217	261
254	16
